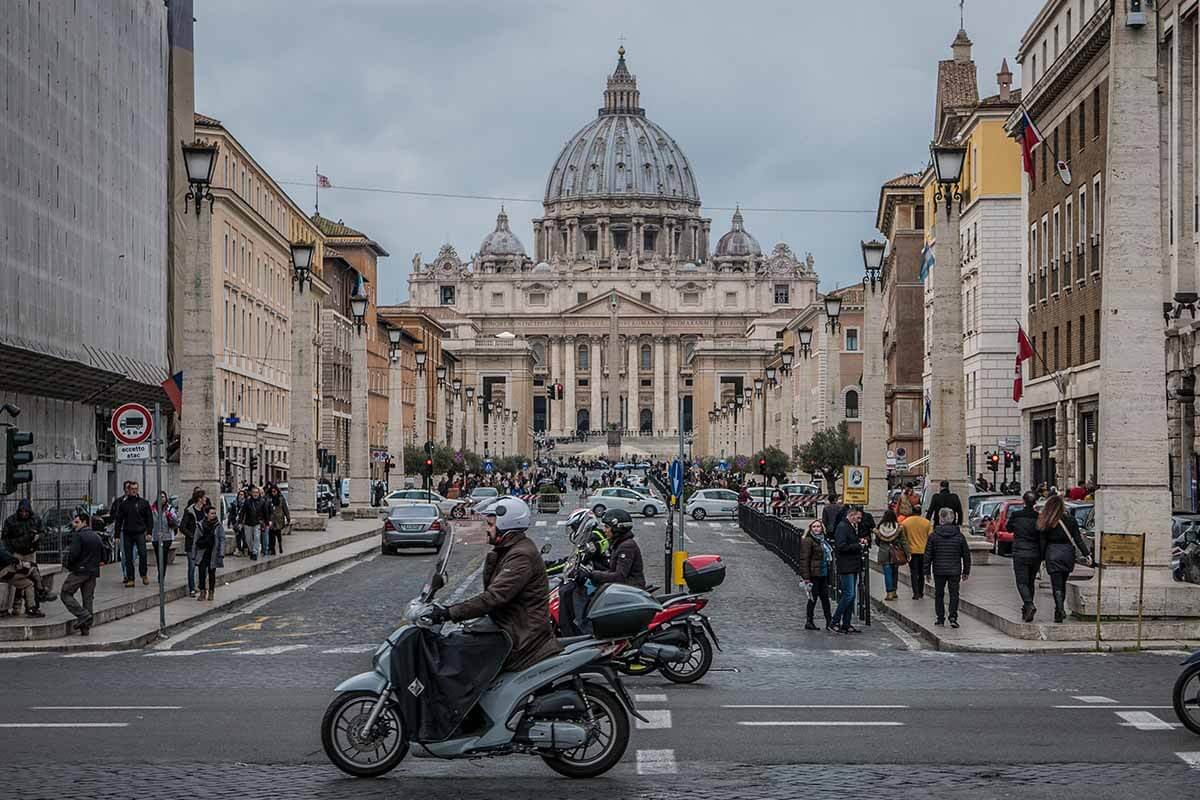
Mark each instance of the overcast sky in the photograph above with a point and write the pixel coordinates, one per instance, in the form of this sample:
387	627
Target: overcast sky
783	104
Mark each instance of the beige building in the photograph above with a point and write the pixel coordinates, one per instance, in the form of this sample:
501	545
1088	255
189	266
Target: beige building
827	385
620	296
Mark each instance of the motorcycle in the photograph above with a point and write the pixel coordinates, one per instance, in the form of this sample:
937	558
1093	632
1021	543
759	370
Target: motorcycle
1186	696
439	692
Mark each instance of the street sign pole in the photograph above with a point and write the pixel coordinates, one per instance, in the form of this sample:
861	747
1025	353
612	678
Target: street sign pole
161	556
683	480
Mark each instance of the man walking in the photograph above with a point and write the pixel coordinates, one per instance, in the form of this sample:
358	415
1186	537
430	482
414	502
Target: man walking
1028	546
132	521
849	563
83	567
948	556
945	499
254	516
917	529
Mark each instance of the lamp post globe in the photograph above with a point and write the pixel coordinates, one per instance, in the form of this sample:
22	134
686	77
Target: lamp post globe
302	253
804	335
200	162
873	255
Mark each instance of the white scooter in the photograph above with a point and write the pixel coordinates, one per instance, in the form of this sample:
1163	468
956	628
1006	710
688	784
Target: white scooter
571	710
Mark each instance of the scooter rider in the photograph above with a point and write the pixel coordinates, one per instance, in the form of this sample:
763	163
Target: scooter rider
515	588
572	593
625	557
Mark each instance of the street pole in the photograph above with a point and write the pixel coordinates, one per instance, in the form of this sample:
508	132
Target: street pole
683	483
161	555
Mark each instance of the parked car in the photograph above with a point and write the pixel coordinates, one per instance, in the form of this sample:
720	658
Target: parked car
1000	539
631	500
481	493
456	509
801	488
760	496
984	513
417	525
712	503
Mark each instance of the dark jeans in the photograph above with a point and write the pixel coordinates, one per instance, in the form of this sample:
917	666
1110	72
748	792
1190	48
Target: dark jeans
820	591
891	574
86	586
940	582
207	572
916	572
191	571
128	542
843	615
1025	571
276	543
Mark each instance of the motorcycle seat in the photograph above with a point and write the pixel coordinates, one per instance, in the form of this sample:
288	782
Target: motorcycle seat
569	640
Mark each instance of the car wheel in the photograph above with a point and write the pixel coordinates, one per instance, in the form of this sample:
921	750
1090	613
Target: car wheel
599	509
649	511
385	550
458	512
698	514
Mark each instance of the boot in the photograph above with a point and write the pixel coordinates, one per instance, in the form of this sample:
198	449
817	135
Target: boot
1060	614
200	596
810	626
1027	612
211	591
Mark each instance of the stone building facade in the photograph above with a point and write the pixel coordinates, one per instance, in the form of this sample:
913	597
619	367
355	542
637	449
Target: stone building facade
620	292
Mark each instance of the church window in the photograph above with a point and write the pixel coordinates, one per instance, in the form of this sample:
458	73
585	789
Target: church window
621	241
498	298
580	297
731	298
781	294
851	404
646	363
590	239
646	382
645	297
691	298
648	240
583	357
447	295
537	298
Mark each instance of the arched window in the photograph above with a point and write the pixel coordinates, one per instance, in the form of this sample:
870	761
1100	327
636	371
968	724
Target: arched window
583	420
851	404
646	421
646	363
583	361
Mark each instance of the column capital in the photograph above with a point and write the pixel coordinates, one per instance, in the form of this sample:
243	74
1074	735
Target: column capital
659	338
569	338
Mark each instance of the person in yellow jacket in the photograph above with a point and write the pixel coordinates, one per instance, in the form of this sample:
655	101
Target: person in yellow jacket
917	530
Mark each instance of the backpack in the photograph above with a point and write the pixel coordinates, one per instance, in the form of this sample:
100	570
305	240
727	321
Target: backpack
207	537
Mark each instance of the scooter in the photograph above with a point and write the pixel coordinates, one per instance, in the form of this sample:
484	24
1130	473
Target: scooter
1186	696
571	710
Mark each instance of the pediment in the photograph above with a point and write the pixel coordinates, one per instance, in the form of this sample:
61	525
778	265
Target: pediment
601	305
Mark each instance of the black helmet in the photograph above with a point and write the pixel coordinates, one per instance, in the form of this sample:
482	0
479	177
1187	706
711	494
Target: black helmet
619	520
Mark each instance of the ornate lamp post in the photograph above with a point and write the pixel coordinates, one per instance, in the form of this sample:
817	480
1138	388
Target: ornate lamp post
302	253
804	336
873	253
873	433
200	162
833	310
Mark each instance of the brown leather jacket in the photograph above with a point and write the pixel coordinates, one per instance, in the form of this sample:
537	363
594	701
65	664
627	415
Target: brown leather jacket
516	596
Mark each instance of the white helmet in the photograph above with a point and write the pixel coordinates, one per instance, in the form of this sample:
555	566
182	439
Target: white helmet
511	513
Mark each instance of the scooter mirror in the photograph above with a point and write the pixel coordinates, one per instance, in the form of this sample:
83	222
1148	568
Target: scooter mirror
545	548
437	581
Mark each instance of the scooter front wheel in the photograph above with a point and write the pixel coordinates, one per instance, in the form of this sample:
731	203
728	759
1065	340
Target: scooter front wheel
1186	698
363	754
608	736
695	666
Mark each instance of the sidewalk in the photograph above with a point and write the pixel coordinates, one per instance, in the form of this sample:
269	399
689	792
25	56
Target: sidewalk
128	618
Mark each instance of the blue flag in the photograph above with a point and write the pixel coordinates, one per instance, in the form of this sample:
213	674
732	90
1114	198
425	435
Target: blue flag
927	261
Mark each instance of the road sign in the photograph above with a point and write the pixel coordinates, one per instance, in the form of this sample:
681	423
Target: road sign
133	452
132	424
676	473
1121	549
487	466
379	456
855	483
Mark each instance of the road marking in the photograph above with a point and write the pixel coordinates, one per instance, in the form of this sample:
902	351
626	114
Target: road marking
96	654
650	698
656	762
1113	708
270	651
353	648
1092	698
767	705
1143	721
541	523
1191	759
649	523
854	653
460	592
910	641
161	653
106	708
64	724
655	720
561	522
17	655
812	723
770	652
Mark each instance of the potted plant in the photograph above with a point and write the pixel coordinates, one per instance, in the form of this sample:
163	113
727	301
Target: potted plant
548	498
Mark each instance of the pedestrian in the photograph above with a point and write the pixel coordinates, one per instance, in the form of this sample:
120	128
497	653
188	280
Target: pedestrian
948	557
833	512
892	551
281	519
133	521
849	550
209	552
18	573
163	533
1028	549
83	568
945	499
240	548
1060	533
21	535
917	530
254	516
904	504
193	513
816	568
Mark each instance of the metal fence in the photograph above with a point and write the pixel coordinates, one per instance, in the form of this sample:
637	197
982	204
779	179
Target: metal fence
54	503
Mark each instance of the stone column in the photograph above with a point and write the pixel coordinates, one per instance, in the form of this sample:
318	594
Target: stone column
660	363
674	421
948	427
439	412
199	459
832	411
631	385
569	418
360	446
554	407
395	439
596	416
874	426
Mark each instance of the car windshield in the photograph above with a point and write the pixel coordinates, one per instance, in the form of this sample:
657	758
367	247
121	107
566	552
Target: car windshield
417	511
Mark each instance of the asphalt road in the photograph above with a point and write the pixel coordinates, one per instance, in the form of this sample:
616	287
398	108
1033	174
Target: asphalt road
233	709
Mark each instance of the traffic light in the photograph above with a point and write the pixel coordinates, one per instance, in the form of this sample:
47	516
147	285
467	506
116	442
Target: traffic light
762	465
253	461
15	440
994	461
1008	458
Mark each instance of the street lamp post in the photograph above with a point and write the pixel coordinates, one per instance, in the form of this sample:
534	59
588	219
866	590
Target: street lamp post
395	429
874	434
360	448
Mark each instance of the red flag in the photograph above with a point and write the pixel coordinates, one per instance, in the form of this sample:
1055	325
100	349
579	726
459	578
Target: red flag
1024	351
323	182
173	387
1030	136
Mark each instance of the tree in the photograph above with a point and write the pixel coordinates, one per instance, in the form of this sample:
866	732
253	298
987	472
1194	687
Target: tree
827	452
778	462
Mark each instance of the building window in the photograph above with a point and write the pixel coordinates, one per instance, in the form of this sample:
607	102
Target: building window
621	241
646	383
649	240
1068	233
646	361
731	298
497	298
1055	250
1082	339
583	357
852	340
1097	222
537	298
1082	124
583	382
851	404
691	298
1056	348
645	297
447	295
1096	335
781	294
1068	350
590	239
1096	113
581	297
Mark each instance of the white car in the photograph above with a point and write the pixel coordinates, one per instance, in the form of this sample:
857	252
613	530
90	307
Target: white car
456	509
630	500
760	496
712	503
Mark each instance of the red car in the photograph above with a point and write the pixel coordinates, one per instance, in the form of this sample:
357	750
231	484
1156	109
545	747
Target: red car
995	533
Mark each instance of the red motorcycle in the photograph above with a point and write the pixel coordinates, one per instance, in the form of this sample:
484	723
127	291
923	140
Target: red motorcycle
679	640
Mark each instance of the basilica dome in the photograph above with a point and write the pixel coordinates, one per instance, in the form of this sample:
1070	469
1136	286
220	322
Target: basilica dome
502	241
621	153
738	243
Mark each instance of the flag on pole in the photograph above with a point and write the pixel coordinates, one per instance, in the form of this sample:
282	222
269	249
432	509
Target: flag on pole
1024	352
323	182
173	387
927	261
927	416
1030	136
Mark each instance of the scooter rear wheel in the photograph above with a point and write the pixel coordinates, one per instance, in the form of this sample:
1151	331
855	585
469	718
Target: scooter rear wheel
610	731
352	751
1186	698
695	666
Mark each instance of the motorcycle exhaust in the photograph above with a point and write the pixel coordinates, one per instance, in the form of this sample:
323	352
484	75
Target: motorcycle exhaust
662	652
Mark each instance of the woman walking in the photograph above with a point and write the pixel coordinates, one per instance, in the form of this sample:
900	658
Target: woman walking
193	515
816	568
234	522
209	551
893	551
163	533
1061	535
281	518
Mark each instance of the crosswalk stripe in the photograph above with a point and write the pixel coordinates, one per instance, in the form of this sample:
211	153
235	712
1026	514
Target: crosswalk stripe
1143	721
658	719
561	522
64	724
770	652
812	723
1092	698
352	648
541	523
854	653
96	654
169	653
650	698
270	651
1191	759
752	705
656	762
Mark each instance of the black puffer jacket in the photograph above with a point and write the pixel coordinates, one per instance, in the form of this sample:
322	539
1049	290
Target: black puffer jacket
625	562
1062	542
1028	542
947	552
21	534
847	548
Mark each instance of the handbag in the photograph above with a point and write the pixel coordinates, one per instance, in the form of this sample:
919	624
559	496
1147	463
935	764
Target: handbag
899	557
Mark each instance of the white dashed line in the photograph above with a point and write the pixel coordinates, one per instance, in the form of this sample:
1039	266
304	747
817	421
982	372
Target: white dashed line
353	648
1092	698
1191	759
650	698
1143	721
854	653
659	719
812	723
1113	708
167	653
752	705
541	523
64	724
106	708
770	652
96	654
656	762
271	651
16	655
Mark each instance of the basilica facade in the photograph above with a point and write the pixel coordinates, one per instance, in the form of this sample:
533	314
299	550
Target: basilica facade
622	316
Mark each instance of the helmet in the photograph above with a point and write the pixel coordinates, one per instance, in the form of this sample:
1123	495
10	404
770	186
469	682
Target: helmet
576	519
618	519
511	513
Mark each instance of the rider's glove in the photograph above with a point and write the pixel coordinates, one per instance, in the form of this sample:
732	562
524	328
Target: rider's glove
583	571
437	614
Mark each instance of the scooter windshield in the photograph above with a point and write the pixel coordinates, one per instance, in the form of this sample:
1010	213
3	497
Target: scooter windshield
438	578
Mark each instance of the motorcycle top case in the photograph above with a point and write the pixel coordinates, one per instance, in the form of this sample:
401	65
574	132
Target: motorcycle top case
619	611
703	573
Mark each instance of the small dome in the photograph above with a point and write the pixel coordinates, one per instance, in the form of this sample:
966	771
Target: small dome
687	266
502	241
542	266
738	243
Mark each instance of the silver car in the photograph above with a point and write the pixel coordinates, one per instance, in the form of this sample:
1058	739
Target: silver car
712	503
419	525
634	502
407	497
